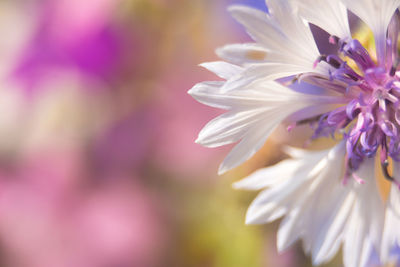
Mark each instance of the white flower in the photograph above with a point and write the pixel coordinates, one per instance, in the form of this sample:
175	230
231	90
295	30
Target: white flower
318	208
327	198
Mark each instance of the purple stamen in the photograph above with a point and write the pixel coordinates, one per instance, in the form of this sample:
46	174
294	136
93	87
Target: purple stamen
371	117
291	127
359	54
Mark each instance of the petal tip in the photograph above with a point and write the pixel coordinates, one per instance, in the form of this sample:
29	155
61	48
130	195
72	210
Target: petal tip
280	246
248	221
191	91
236	185
198	140
251	219
222	169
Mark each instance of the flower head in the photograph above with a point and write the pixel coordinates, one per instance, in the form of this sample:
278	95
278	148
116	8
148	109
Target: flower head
328	197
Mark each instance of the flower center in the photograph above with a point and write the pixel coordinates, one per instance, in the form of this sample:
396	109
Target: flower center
370	121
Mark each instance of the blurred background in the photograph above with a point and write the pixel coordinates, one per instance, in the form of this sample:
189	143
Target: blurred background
98	165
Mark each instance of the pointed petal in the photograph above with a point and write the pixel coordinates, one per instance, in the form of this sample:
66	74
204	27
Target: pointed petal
283	194
329	236
394	197
263	95
229	127
363	233
377	15
223	69
290	229
252	141
330	15
286	38
268	71
254	113
208	93
391	232
270	176
272	203
286	169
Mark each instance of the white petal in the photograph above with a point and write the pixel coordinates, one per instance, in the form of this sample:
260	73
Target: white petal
391	232
253	140
278	198
263	95
223	69
318	208
290	229
287	40
270	71
363	234
208	93
270	176
327	211
376	14
357	247
319	212
330	15
328	208
394	197
230	127
297	153
258	25
243	53
254	112
289	191
329	236
292	25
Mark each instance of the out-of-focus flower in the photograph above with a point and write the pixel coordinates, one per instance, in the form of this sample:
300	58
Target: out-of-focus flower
49	217
12	46
115	150
357	99
61	113
70	35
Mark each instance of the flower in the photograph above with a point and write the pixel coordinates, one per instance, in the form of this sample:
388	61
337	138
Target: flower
327	198
69	36
114	223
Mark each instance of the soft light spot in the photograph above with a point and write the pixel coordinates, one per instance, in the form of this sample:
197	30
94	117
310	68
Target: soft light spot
256	55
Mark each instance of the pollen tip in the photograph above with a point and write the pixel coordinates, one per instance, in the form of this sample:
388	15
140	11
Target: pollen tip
290	127
333	39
